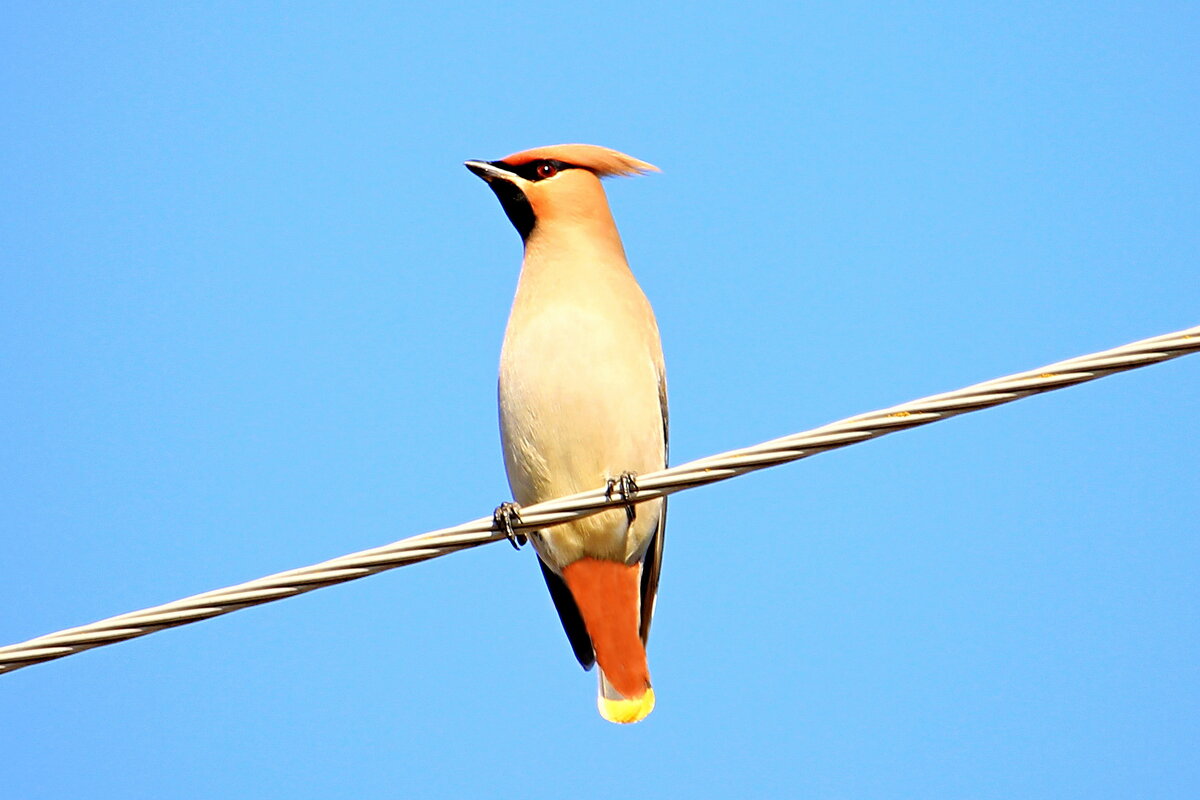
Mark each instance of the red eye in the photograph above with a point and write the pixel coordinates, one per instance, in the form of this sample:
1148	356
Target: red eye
546	170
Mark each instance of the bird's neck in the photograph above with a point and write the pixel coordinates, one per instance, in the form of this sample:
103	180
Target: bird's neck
587	246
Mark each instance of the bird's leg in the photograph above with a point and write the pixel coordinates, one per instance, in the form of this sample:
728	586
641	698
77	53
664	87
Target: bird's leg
624	485
503	518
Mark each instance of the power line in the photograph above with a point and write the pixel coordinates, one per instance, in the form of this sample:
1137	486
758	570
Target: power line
554	512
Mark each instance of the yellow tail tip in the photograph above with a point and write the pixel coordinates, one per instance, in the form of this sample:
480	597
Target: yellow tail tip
625	711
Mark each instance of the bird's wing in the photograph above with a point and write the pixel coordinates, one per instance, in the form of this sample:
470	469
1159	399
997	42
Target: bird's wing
652	566
572	620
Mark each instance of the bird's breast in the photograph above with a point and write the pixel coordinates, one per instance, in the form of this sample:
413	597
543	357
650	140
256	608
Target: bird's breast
579	403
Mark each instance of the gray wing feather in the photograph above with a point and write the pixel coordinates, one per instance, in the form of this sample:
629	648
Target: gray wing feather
572	620
652	566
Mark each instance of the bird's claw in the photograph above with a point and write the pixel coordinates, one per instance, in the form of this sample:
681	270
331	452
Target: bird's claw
625	486
503	518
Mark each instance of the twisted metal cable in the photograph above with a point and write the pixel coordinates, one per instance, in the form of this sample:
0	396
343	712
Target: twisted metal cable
555	512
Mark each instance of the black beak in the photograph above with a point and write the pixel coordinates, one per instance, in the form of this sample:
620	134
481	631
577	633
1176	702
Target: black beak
487	170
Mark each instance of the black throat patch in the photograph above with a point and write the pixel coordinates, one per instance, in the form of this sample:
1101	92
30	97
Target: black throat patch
516	206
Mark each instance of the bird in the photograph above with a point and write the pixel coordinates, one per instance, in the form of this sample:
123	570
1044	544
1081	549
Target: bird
583	403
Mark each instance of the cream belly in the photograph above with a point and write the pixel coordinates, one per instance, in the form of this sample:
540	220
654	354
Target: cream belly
579	404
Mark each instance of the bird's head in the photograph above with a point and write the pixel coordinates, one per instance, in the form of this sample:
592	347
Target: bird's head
556	184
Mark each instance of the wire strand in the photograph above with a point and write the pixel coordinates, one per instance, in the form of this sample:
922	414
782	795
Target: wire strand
700	472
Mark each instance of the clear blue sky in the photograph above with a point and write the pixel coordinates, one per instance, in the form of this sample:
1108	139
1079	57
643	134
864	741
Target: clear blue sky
252	308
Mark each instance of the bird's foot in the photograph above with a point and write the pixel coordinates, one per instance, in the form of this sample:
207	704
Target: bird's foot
624	486
503	518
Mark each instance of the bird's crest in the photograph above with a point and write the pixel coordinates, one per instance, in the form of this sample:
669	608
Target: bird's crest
600	160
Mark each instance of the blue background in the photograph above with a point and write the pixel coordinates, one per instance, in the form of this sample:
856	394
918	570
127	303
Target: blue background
251	312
